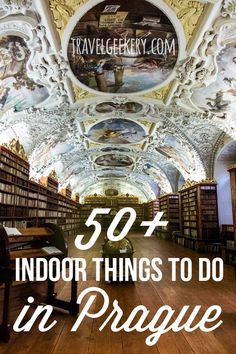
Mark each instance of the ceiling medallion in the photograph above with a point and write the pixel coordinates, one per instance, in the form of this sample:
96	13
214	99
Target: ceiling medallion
129	47
114	160
116	131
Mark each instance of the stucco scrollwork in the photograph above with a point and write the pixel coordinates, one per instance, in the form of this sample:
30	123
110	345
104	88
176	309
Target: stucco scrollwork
45	67
201	68
13	7
229	8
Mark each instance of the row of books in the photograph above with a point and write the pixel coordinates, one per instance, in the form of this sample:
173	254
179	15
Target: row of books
169	205
199	212
23	201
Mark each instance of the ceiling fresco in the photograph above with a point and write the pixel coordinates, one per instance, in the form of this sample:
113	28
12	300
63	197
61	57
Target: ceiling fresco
158	176
123	47
116	131
111	175
172	148
141	120
116	149
114	160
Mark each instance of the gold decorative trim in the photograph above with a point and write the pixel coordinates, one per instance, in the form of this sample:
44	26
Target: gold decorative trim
129	195
209	181
18	149
53	175
188	12
232	166
159	94
63	10
190	183
79	93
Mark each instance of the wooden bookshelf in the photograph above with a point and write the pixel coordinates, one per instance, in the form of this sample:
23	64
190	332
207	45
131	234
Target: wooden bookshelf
50	183
27	203
75	197
98	200
66	192
14	176
115	203
152	208
232	172
169	205
199	215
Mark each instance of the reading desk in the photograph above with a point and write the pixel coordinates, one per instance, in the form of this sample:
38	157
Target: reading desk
46	242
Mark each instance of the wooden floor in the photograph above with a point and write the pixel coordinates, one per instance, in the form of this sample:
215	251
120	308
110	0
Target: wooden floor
88	339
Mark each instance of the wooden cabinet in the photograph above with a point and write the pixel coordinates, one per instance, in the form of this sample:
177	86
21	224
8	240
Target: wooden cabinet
199	213
169	205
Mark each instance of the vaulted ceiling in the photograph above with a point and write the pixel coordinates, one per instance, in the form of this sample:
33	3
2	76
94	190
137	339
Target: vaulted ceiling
141	123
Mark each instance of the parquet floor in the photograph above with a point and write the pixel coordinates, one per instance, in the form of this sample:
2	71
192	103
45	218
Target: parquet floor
89	340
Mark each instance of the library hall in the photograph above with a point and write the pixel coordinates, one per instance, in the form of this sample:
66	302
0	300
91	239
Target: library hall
118	176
